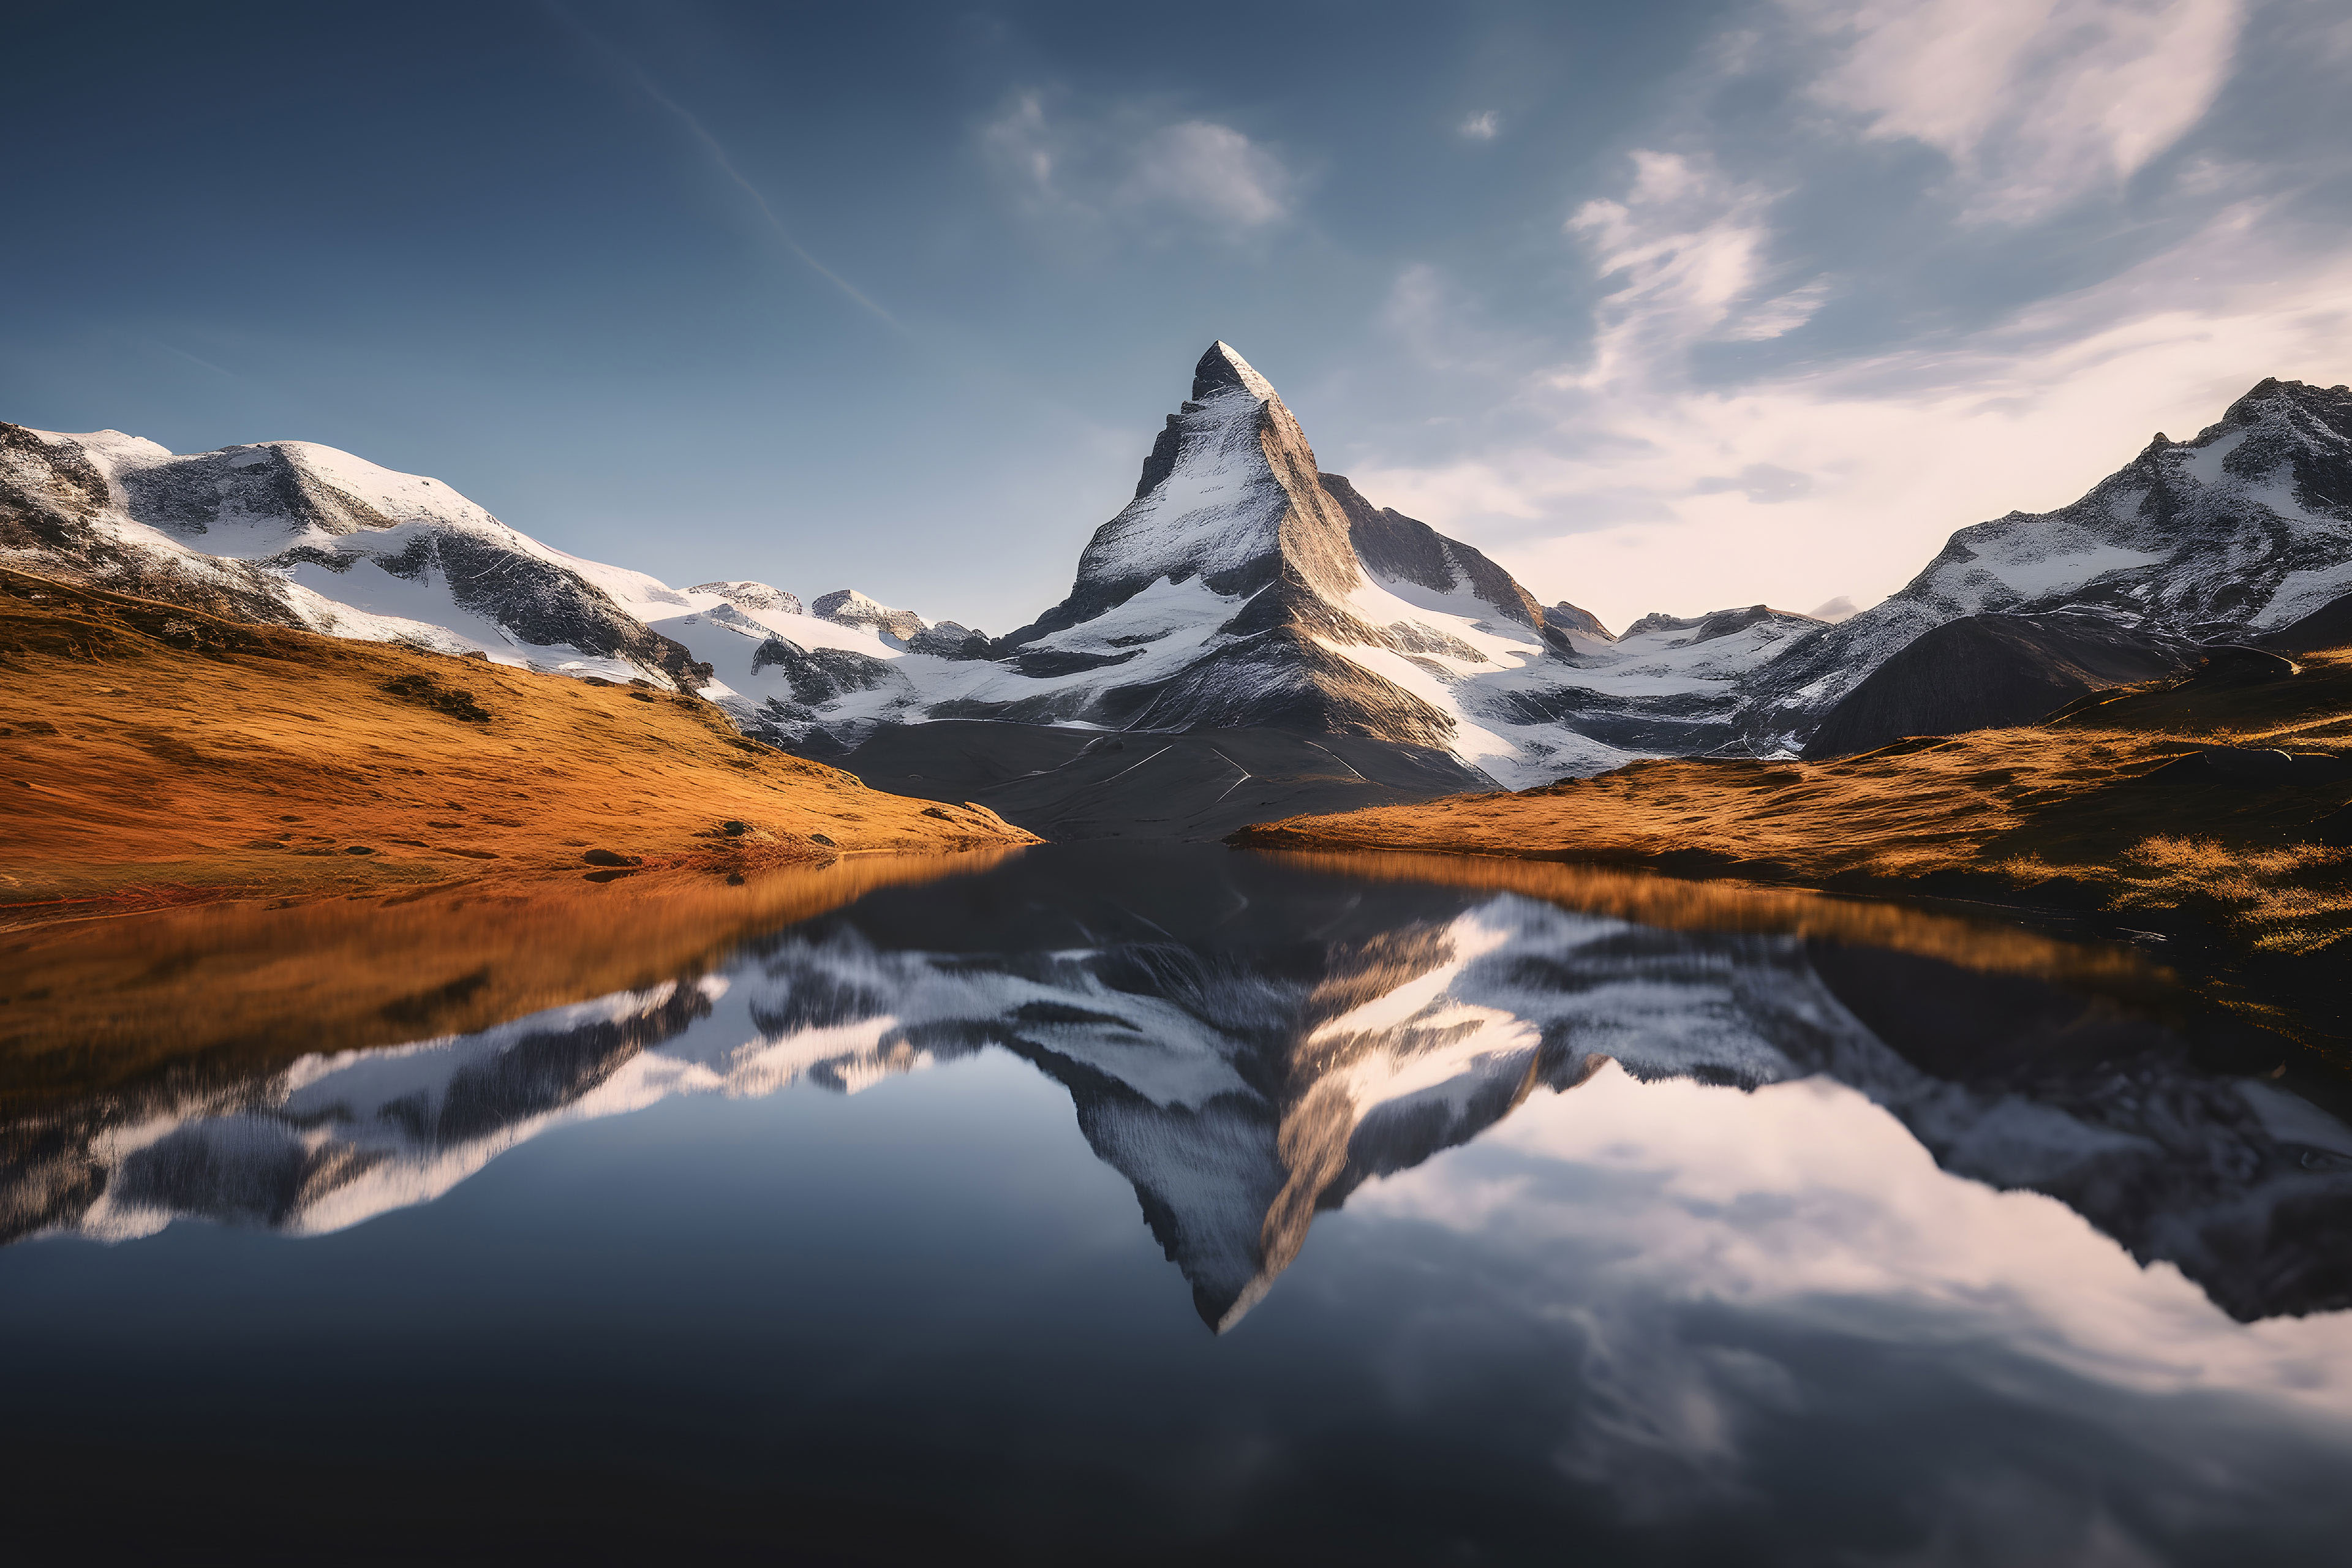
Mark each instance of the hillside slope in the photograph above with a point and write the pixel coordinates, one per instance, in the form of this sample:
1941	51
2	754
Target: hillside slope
154	755
2246	838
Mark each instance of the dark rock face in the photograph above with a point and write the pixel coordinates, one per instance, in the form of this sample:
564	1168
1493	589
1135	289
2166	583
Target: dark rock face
540	602
947	640
48	492
1706	628
1284	681
1045	663
1566	617
2329	627
821	674
751	595
1405	549
1985	672
187	496
848	607
1691	724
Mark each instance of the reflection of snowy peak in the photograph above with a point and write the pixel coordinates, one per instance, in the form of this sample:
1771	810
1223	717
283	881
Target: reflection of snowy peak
1244	1077
2249	526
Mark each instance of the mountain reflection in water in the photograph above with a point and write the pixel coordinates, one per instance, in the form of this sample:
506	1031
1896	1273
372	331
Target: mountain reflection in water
1248	1043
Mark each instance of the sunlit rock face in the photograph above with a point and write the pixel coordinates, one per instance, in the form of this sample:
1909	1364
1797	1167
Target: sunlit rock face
1248	1046
2241	529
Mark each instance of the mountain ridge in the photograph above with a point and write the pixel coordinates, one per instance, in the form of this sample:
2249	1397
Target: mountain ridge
1242	587
2242	528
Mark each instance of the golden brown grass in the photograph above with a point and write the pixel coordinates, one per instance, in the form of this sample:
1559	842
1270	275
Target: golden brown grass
152	755
2051	814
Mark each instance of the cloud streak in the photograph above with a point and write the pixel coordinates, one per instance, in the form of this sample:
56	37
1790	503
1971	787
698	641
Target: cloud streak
721	160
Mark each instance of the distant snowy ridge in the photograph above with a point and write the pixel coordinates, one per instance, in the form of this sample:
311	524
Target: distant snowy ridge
2244	529
292	533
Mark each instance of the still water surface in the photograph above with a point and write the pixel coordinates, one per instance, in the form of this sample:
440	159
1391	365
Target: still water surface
1155	1206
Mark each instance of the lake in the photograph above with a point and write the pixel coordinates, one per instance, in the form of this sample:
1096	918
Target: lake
1157	1205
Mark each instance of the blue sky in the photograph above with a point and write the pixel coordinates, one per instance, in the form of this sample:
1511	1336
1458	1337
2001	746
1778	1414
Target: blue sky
1668	307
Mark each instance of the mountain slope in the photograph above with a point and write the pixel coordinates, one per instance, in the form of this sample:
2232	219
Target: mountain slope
1991	671
156	754
2245	528
1239	589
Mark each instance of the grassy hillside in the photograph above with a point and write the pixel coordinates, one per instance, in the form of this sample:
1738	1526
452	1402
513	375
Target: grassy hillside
2058	816
151	756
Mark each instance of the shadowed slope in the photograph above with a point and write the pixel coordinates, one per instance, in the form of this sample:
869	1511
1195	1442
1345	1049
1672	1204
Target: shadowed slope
1988	672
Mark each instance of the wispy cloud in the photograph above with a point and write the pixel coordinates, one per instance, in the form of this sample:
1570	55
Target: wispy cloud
2035	101
1483	126
1689	246
1138	172
1866	463
721	160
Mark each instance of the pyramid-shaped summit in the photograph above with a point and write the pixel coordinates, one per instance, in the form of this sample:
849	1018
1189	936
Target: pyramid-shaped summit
1286	599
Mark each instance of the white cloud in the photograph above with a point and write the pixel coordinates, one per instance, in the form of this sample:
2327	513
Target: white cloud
1689	244
1483	126
2035	101
1208	172
1135	172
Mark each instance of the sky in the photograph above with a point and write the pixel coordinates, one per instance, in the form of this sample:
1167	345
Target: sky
1668	307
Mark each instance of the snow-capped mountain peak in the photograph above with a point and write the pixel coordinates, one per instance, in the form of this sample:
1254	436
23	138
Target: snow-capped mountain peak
1222	369
848	607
